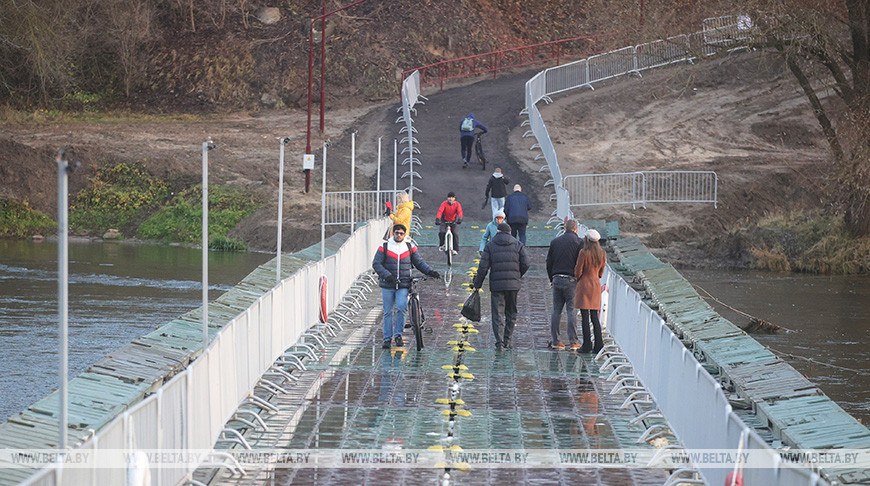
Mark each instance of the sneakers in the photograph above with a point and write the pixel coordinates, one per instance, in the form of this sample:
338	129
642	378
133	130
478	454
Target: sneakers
386	344
454	252
559	346
575	346
399	342
441	248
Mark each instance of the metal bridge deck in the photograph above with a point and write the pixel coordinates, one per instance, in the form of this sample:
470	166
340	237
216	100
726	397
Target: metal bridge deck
359	396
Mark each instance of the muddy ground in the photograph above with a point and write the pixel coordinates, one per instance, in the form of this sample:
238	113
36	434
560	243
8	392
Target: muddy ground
742	117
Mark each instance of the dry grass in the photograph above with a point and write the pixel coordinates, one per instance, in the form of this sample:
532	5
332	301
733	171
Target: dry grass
808	241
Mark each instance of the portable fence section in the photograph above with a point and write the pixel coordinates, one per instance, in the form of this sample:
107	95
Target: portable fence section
611	64
366	205
727	31
680	186
642	187
565	77
602	189
663	52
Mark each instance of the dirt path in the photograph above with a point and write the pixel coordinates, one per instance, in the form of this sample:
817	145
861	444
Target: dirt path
496	103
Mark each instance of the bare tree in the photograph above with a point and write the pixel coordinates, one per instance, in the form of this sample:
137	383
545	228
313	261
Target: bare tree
826	46
131	26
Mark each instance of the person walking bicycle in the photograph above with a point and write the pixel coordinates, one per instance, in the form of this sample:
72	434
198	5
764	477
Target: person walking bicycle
561	262
466	136
392	263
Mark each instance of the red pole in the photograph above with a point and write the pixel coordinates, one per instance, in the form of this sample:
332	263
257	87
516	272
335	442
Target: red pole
641	14
310	82
323	67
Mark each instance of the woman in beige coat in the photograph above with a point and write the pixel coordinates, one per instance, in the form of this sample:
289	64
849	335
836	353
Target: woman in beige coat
587	296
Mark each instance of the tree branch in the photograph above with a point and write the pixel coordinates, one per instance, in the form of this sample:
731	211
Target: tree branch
818	109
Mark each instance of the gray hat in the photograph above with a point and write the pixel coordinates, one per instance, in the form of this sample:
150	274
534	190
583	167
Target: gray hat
498	214
504	228
593	235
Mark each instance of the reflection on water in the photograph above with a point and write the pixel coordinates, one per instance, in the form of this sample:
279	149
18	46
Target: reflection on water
830	316
117	292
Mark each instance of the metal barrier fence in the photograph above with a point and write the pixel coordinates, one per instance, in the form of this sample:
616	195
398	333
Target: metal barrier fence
366	205
717	34
642	187
692	401
410	97
190	410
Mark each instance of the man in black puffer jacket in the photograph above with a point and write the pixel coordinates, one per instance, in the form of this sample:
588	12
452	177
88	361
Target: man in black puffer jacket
507	261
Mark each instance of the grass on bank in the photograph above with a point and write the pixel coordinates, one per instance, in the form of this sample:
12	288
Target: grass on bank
117	196
19	220
181	220
808	241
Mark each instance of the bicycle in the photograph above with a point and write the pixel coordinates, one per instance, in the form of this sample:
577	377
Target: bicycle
415	311
478	150
448	242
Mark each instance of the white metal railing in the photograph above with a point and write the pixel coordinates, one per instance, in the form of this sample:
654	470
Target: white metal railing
365	205
190	410
642	187
693	402
717	34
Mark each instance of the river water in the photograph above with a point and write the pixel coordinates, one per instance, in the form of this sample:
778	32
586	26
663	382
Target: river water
117	292
121	291
829	317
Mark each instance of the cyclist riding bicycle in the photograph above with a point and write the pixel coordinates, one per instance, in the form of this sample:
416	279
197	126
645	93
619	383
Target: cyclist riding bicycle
466	136
449	213
392	263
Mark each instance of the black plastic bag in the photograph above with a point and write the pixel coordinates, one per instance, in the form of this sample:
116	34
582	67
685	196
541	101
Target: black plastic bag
471	308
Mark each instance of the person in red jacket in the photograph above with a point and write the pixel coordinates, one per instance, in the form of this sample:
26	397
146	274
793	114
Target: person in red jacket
450	213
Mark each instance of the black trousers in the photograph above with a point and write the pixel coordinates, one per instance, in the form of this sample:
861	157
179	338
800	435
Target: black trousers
518	231
507	300
465	143
443	231
586	314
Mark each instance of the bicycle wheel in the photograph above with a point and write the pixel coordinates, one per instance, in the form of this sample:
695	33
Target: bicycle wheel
478	149
448	247
416	321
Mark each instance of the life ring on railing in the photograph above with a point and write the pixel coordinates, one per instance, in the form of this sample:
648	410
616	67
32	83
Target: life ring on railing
323	313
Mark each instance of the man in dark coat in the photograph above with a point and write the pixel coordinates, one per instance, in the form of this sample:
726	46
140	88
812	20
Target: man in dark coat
561	260
497	188
516	210
507	261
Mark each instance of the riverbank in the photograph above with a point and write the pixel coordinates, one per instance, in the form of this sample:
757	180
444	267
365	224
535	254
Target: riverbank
740	116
